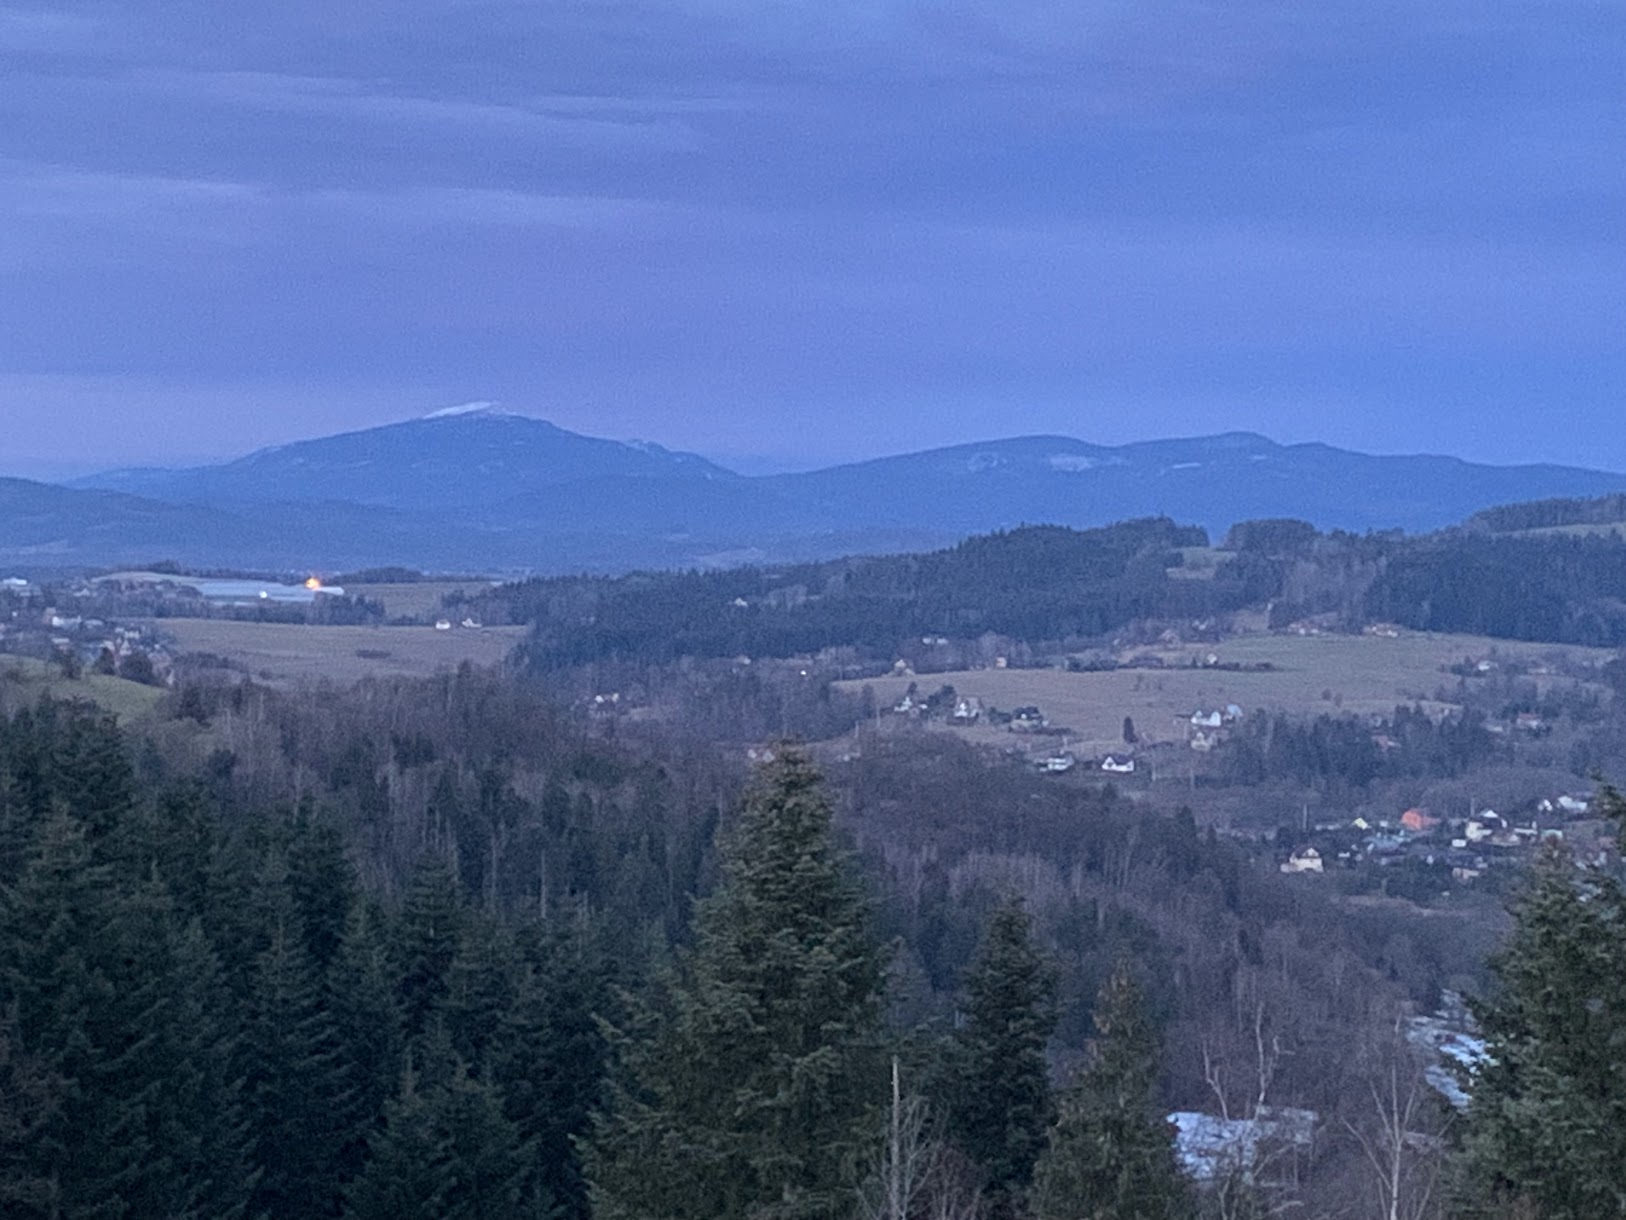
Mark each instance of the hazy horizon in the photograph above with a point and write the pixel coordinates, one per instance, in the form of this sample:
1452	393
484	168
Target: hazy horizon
750	465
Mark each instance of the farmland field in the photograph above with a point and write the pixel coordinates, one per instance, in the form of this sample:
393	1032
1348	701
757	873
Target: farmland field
290	652
24	680
420	599
1309	675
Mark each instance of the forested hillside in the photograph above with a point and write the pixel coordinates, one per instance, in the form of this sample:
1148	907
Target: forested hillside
1551	514
1035	583
429	949
1053	585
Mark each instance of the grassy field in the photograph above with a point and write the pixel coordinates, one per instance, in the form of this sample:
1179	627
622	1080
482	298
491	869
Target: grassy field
416	600
23	680
1311	674
290	652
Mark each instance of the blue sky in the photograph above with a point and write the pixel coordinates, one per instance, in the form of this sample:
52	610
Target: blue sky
789	233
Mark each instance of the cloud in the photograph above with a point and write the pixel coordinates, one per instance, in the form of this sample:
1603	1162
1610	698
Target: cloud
616	124
739	206
47	30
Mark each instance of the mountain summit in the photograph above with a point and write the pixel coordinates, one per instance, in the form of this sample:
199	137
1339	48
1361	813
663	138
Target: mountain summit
459	456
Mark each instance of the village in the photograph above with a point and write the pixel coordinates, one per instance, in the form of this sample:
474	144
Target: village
1438	849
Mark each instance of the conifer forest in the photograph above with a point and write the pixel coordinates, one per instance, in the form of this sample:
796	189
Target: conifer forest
431	948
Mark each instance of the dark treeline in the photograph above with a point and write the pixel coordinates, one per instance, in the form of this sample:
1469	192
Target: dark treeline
1557	589
1551	514
1052	586
202	1013
1034	583
1337	754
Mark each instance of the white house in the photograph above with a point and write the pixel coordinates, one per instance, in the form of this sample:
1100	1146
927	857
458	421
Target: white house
1304	860
1121	766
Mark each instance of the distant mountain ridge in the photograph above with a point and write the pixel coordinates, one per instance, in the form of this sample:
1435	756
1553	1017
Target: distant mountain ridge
462	456
480	488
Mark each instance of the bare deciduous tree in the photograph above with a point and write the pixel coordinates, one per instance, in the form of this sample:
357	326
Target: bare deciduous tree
915	1176
1401	1140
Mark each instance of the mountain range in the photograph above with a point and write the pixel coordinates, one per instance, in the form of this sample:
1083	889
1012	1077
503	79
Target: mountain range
485	490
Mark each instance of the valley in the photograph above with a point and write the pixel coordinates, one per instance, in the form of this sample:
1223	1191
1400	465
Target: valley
1160	688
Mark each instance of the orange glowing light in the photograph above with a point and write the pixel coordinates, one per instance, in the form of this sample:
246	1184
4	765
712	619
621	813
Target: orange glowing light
313	583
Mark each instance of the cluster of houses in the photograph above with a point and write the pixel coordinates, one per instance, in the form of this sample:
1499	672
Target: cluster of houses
50	633
1467	845
1205	727
1059	762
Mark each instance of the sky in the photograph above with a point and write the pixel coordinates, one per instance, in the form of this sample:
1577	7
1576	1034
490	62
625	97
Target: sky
789	233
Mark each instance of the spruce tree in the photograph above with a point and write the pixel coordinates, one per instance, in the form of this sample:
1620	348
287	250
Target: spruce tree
30	1099
750	1091
61	949
367	1027
999	1103
428	933
1111	1152
486	1161
1546	1125
551	1058
297	1088
405	1176
444	1152
322	882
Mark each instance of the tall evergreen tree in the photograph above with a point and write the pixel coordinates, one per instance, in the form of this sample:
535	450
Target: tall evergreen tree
405	1177
486	1161
1111	1153
750	1091
551	1058
367	1025
61	948
444	1152
298	1092
322	881
1547	1117
428	933
30	1098
999	1103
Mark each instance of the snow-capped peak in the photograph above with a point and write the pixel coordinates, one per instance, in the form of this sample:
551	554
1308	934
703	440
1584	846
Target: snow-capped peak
480	407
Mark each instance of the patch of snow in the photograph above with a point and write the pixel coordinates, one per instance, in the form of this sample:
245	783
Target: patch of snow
1073	463
1448	1035
1185	466
479	407
1209	1147
977	463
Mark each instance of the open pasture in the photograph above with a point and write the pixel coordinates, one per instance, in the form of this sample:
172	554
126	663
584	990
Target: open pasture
24	680
292	652
1309	675
417	599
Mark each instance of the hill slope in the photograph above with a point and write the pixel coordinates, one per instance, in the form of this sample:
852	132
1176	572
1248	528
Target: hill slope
459	458
1216	481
